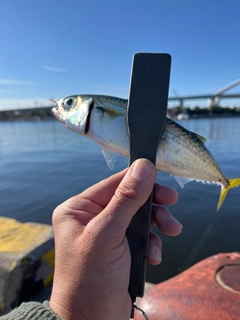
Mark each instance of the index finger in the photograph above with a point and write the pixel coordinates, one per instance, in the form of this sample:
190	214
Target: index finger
102	192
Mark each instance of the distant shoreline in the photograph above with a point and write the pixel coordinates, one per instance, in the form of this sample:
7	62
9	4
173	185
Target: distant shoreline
212	116
45	113
33	114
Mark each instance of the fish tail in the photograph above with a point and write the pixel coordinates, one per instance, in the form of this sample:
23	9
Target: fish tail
232	184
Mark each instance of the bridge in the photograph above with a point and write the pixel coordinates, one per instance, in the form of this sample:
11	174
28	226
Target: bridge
212	99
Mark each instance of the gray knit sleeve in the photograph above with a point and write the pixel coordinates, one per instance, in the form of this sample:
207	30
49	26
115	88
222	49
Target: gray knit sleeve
33	311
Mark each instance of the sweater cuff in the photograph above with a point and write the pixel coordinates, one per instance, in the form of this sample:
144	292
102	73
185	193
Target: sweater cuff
32	310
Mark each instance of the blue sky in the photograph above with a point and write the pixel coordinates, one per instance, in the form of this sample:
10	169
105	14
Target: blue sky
52	49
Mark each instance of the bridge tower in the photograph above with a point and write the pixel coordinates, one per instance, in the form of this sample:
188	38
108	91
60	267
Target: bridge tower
181	101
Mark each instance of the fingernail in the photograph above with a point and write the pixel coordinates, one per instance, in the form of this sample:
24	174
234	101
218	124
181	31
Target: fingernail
157	254
142	169
179	223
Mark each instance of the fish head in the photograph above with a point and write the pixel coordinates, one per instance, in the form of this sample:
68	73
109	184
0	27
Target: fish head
83	113
74	112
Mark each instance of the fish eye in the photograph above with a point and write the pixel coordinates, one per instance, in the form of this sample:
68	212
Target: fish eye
68	103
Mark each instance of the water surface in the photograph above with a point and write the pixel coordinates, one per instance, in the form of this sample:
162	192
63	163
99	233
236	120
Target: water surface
43	163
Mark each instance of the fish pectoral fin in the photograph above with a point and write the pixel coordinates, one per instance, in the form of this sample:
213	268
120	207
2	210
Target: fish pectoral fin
233	183
110	156
182	180
201	138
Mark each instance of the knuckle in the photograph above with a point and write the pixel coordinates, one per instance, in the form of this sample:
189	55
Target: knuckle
127	191
55	217
58	215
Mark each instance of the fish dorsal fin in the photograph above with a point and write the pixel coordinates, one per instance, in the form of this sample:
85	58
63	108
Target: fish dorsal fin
110	156
182	181
201	138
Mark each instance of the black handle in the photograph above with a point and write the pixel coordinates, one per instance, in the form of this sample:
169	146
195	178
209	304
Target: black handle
147	108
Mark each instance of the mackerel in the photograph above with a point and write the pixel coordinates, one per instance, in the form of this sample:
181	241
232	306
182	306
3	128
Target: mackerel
181	153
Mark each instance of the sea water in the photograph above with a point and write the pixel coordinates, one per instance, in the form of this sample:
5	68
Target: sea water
42	164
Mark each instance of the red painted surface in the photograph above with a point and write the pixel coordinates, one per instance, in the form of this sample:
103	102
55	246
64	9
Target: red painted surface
209	290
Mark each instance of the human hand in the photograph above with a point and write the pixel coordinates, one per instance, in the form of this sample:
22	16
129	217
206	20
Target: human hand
92	262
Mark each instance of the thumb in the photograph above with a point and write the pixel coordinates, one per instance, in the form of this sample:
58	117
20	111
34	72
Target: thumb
131	194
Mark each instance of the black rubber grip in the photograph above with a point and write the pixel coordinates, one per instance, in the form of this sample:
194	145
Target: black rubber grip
147	108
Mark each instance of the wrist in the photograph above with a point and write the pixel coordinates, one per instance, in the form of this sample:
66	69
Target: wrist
68	309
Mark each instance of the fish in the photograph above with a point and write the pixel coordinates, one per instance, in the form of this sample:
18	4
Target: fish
181	153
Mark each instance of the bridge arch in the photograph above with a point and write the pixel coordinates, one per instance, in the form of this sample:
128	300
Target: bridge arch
217	94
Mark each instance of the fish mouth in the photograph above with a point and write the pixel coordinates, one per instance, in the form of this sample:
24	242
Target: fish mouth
56	112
